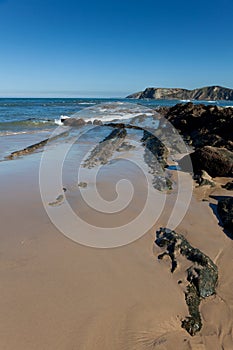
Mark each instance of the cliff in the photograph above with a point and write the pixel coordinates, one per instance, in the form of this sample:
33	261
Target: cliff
206	93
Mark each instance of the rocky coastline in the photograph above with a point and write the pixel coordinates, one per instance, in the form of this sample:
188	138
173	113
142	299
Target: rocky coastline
208	93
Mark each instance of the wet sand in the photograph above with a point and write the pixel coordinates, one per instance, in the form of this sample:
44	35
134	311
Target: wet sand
58	294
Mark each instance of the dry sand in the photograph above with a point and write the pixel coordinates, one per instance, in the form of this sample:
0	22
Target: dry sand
58	295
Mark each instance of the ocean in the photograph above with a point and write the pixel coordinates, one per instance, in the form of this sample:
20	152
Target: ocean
24	121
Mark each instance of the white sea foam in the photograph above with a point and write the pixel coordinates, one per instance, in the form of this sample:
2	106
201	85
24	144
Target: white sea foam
117	116
86	103
107	112
11	133
28	132
59	121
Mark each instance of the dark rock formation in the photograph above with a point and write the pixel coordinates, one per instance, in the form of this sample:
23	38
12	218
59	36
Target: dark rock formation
97	122
74	122
228	186
202	275
225	211
192	323
204	179
205	93
125	146
35	146
216	161
155	156
104	150
203	125
156	147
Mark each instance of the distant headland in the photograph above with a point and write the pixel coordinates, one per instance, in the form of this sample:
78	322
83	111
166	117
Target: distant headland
205	93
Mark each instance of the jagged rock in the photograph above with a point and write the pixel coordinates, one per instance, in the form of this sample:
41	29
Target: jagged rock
155	152
74	122
228	186
162	183
225	211
203	125
202	275
216	161
204	179
167	136
162	110
116	134
155	156
156	147
104	150
193	323
125	146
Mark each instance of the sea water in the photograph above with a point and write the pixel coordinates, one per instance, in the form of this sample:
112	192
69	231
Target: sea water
24	121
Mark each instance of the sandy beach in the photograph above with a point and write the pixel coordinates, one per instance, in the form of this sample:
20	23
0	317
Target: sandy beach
58	294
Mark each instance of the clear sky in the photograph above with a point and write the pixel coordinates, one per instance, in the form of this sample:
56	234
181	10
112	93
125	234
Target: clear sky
112	48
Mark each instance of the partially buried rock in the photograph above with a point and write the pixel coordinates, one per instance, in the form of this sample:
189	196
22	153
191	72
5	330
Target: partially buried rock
202	275
58	201
225	211
82	184
216	161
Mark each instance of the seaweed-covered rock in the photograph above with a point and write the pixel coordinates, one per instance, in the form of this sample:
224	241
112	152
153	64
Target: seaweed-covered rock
216	161
202	275
225	211
193	323
155	157
156	147
105	149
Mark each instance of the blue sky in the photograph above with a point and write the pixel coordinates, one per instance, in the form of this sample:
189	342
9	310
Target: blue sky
112	48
